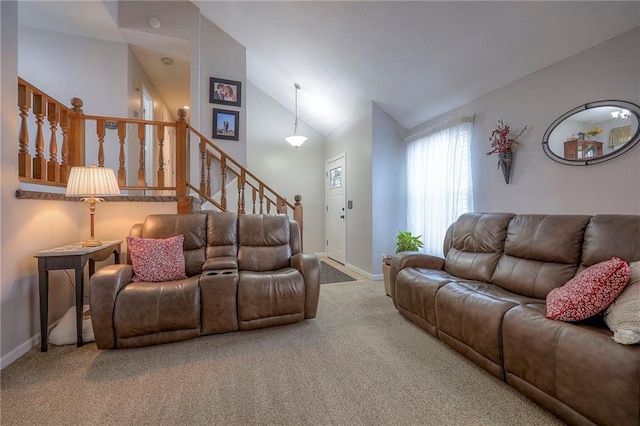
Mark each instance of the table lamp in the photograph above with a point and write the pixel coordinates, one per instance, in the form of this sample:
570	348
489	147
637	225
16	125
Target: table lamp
89	182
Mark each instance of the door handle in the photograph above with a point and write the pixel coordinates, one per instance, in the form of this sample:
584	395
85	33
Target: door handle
342	217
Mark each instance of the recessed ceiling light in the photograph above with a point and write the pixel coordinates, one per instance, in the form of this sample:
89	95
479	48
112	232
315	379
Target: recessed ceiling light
167	61
186	107
154	22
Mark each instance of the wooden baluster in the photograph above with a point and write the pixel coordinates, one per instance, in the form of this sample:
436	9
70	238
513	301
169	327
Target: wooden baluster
76	134
142	181
223	184
253	198
39	162
160	182
268	206
241	179
281	208
53	167
100	131
209	158
203	183
184	202
64	126
24	158
261	198
122	171
298	217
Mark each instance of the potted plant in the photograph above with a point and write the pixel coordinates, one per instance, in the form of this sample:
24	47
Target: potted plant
405	241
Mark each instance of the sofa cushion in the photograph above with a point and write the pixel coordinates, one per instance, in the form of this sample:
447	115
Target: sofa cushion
541	252
623	315
222	234
263	242
145	308
477	244
577	363
270	298
589	292
469	316
610	236
192	226
157	259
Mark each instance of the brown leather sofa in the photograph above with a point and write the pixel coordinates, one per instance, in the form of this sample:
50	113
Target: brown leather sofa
243	272
486	299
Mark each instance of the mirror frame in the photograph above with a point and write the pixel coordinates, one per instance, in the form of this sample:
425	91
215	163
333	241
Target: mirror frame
633	108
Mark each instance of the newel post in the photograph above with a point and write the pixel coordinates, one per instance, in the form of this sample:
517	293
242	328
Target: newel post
184	203
76	134
297	215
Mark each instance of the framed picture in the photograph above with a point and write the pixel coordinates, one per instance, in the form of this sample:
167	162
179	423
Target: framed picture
225	124
225	92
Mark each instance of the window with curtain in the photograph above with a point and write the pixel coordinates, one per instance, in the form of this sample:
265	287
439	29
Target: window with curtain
439	183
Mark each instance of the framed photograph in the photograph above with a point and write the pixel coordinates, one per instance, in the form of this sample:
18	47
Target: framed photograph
225	92
225	124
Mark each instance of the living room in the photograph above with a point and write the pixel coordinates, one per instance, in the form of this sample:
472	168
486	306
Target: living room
371	138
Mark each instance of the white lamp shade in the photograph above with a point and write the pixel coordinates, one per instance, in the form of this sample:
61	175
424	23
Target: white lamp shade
296	140
88	181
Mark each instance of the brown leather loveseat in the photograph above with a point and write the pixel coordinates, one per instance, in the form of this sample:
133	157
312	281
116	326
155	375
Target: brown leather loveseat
242	272
486	299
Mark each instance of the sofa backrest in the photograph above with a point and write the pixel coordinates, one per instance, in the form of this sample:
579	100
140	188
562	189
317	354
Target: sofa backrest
194	228
263	242
541	252
476	245
611	235
222	234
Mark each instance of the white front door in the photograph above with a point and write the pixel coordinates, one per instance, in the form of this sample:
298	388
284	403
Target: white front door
336	214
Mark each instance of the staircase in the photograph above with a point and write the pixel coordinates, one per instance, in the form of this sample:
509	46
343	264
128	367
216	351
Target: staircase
122	143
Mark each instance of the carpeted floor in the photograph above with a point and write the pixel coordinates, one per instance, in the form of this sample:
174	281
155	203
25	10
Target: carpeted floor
358	363
329	274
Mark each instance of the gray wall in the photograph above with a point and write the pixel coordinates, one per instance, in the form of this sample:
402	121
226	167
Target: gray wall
610	70
354	137
389	207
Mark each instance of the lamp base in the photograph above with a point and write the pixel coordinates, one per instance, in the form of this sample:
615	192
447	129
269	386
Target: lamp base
92	242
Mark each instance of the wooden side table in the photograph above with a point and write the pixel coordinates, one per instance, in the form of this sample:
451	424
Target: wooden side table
72	256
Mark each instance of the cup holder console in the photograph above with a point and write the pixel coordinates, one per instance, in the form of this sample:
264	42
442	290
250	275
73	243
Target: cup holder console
221	272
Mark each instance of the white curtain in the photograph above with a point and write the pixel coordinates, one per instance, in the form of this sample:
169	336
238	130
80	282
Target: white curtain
439	181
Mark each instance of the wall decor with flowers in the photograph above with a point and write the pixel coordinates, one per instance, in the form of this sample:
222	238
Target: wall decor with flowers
504	145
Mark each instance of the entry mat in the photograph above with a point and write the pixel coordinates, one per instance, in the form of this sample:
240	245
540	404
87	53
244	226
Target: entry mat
329	274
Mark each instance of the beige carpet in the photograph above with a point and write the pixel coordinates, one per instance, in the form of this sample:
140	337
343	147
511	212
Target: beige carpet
358	363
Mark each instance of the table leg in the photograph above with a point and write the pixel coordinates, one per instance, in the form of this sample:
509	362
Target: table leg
79	300
44	309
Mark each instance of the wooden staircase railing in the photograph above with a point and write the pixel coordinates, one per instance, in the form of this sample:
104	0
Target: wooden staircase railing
72	127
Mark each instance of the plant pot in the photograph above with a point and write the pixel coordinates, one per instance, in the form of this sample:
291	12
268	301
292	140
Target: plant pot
505	162
387	281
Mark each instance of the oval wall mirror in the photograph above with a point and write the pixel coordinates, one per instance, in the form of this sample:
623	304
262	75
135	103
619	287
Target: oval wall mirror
593	133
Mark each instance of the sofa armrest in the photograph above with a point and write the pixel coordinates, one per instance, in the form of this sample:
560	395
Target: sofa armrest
411	259
309	265
106	283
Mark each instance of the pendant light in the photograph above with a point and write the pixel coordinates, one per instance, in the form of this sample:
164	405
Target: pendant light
296	140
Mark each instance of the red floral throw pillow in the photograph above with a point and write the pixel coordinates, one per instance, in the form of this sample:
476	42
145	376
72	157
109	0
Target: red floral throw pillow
156	259
589	292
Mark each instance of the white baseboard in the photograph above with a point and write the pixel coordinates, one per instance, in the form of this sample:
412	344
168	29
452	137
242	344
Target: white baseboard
362	272
19	351
377	277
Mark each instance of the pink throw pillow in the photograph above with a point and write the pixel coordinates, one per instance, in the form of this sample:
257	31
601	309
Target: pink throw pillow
156	259
589	292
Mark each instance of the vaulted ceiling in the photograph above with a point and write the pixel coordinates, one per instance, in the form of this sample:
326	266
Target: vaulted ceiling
415	59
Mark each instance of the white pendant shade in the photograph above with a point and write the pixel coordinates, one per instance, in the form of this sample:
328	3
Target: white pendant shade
88	181
296	140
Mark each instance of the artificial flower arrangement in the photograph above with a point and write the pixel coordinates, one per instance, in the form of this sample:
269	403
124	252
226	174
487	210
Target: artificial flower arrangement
594	132
500	140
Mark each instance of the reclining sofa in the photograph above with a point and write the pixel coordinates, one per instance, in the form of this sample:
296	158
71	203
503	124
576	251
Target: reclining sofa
486	300
242	272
